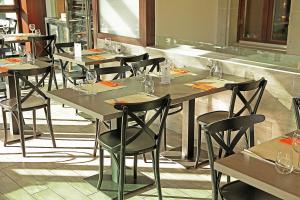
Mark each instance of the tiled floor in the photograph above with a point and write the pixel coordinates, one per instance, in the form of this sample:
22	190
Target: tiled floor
58	173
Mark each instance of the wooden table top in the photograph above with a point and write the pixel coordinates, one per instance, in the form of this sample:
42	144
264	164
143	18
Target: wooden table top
95	106
5	63
261	174
85	60
18	37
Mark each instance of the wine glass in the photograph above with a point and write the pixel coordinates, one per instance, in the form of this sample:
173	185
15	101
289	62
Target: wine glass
284	162
296	147
32	28
6	28
149	85
91	78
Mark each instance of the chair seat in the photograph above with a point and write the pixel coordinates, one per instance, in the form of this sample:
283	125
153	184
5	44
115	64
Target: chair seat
31	102
75	75
141	144
175	108
211	117
238	190
45	59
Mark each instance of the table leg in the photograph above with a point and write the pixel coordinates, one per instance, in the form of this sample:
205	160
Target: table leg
188	124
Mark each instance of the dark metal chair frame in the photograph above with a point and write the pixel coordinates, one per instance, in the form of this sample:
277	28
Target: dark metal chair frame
237	88
119	152
154	64
47	44
127	61
215	132
296	106
60	47
21	75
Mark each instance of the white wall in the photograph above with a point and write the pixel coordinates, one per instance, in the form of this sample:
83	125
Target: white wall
192	20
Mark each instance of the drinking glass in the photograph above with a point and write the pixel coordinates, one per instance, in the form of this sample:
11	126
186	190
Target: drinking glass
107	44
284	162
141	74
91	78
296	147
32	28
22	53
38	32
6	28
149	85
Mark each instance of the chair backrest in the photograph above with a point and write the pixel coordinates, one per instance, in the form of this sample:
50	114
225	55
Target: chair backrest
45	43
128	60
160	107
117	71
62	47
33	87
249	104
296	105
3	50
215	132
150	65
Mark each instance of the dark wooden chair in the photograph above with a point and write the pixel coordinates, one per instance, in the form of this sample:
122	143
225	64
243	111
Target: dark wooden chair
43	49
152	65
214	132
250	106
31	101
296	106
116	72
3	51
78	73
133	141
128	60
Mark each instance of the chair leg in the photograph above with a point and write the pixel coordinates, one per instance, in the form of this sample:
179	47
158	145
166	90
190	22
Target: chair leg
96	137
101	157
144	157
165	136
4	126
135	167
21	131
121	177
55	80
198	147
157	174
34	122
49	122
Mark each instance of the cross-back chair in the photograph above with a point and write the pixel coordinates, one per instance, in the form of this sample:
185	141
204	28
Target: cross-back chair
133	141
150	66
128	60
34	99
215	132
43	49
249	106
78	72
296	106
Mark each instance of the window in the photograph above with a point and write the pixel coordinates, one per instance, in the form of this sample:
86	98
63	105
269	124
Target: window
128	21
9	14
264	21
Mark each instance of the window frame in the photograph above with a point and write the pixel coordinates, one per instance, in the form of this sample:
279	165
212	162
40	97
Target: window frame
267	22
146	25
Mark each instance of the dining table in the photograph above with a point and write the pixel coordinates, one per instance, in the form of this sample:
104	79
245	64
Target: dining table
184	88
18	37
15	63
257	167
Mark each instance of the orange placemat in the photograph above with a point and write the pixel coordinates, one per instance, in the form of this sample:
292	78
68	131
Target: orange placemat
96	57
97	50
109	83
203	86
178	71
13	60
3	69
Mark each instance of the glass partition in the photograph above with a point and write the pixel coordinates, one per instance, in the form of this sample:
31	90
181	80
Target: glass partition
7	2
119	17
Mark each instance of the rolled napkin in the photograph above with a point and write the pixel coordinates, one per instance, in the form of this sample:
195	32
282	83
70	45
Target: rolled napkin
109	83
